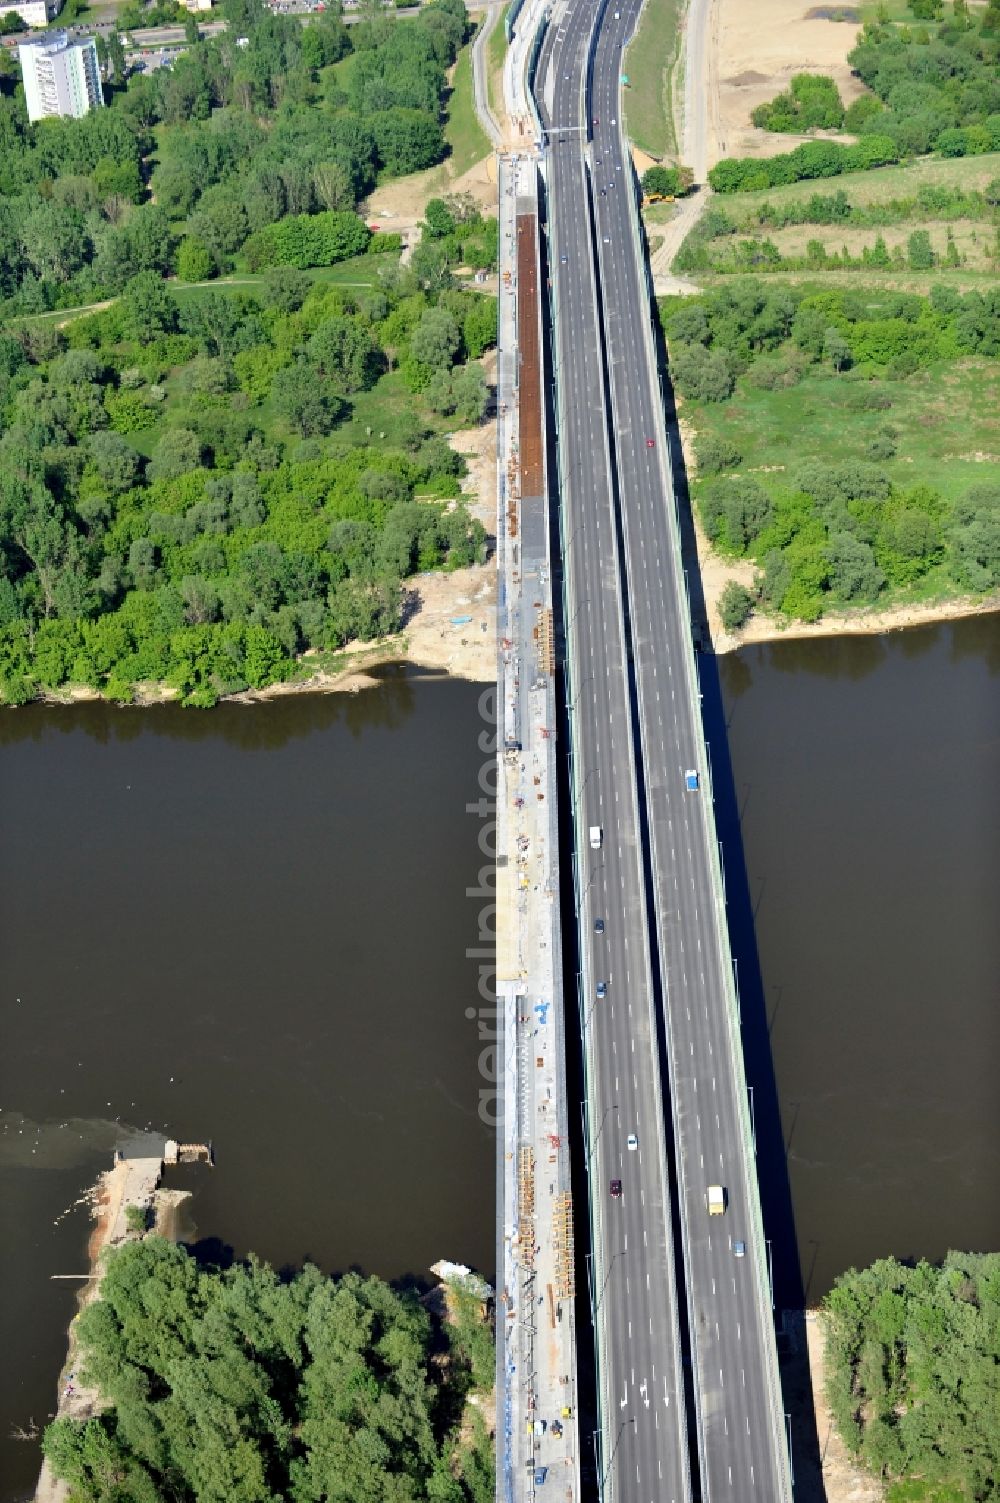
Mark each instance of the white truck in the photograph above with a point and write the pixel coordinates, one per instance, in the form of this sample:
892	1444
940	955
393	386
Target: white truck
715	1197
596	837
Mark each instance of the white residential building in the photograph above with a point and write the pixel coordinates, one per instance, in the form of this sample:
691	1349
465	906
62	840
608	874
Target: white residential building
32	12
190	4
60	77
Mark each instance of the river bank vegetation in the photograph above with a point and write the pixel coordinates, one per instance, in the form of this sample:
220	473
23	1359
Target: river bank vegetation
913	1357
195	492
239	1386
844	441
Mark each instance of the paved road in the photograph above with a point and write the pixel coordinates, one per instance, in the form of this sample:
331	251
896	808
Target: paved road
741	1438
645	1450
737	1401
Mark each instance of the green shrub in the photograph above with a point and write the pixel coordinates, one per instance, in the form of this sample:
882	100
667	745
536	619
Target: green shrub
704	375
306	240
735	606
813	102
714	456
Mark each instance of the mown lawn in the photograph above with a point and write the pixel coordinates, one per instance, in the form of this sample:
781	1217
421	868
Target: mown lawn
944	418
649	63
467	141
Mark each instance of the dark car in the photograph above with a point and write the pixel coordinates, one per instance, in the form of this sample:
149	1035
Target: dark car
598	926
616	1189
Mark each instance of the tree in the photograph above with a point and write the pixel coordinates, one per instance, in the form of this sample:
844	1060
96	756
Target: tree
332	185
438	219
306	401
342	349
854	574
668	182
836	349
285	288
461	391
114	462
704	375
406	140
436	339
479	327
919	254
735	606
714	455
147	308
194	260
143	243
178	451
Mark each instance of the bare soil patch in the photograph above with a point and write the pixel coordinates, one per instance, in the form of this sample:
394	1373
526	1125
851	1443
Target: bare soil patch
843	1480
398	206
760	46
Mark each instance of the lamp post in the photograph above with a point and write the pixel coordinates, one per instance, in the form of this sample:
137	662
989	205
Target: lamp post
614	1451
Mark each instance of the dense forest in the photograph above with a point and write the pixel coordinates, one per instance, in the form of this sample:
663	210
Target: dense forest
913	1358
836	530
191	163
931	88
200	484
240	1386
177	503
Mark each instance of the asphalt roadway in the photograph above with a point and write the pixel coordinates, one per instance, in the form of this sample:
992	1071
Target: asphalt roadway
645	1451
740	1433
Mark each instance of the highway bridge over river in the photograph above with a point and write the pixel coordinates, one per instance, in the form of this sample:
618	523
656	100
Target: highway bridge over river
687	1380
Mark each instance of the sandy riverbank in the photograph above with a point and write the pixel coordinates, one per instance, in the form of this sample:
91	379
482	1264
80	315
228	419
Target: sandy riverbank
130	1182
716	572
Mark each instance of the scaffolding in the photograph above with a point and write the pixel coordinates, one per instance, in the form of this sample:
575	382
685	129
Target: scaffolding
526	1204
562	1234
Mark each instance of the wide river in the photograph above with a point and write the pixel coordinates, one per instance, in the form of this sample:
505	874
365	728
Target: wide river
251	925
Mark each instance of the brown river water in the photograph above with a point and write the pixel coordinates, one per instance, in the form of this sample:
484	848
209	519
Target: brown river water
268	904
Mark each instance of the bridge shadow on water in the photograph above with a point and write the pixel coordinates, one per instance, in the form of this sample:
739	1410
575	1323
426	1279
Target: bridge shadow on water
790	1287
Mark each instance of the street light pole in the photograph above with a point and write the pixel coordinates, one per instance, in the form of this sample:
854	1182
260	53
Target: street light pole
614	1451
600	1298
611	1107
